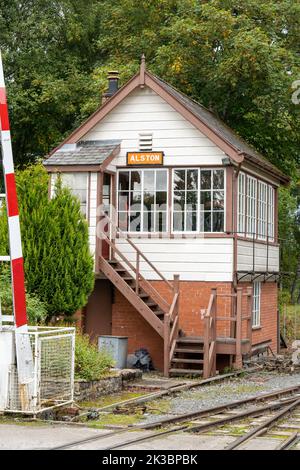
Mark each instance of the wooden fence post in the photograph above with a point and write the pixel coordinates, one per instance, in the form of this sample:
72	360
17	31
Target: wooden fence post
213	332
249	314
238	339
206	342
137	281
166	345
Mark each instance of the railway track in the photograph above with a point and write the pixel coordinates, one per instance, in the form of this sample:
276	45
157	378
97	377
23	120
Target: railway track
270	408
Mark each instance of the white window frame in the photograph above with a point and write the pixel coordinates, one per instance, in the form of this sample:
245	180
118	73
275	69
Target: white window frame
138	233
73	190
251	204
241	203
271	214
262	215
258	197
184	232
256	304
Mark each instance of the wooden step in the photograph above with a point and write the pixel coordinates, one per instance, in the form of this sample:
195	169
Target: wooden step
151	304
185	372
191	340
189	350
128	279
144	296
159	313
187	360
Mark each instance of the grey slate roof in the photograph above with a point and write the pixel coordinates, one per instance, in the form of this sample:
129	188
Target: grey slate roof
83	153
220	127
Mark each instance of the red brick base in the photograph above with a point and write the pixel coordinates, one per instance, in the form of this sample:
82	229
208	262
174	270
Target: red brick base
194	296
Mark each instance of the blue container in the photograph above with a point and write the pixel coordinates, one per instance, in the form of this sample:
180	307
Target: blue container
117	346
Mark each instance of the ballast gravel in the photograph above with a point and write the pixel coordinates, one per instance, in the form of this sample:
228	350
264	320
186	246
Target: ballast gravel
235	389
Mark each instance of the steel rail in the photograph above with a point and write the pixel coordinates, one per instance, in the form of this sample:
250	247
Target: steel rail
201	427
220	408
266	425
178	388
188	416
289	442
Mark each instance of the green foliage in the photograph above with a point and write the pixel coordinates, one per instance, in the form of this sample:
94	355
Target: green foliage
90	364
36	309
58	264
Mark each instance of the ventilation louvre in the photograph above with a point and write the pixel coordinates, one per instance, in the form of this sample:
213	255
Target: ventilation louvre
145	141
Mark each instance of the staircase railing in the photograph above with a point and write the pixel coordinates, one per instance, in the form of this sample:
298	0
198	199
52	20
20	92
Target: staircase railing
170	309
171	327
210	337
211	319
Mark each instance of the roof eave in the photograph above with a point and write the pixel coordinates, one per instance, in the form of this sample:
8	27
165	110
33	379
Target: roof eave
279	175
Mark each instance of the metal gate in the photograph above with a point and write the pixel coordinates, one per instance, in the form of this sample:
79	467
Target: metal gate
53	352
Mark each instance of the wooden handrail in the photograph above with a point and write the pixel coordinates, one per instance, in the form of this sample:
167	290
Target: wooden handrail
173	306
171	311
158	298
128	240
210	327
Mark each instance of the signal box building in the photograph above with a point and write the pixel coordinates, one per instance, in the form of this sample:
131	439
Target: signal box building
182	217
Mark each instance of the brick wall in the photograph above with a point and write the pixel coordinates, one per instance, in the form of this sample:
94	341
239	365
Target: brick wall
194	296
268	314
126	321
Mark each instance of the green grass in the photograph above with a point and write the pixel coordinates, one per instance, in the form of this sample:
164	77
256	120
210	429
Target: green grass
110	400
160	406
110	419
19	421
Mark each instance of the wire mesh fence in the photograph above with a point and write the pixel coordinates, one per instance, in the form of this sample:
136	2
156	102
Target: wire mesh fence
52	381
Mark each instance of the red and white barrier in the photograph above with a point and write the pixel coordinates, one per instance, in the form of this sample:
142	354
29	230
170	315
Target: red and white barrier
17	268
22	341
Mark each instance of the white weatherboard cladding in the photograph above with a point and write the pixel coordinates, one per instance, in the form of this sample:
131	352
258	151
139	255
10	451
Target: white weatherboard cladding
92	207
245	257
194	259
93	212
145	111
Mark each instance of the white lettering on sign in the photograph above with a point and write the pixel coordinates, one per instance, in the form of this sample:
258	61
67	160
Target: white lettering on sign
144	158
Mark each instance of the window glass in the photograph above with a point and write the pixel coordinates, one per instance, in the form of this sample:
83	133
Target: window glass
124	181
255	208
251	204
212	200
135	180
206	179
77	183
179	180
200	195
256	304
145	200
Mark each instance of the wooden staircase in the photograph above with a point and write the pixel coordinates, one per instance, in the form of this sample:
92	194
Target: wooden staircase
188	356
183	355
159	312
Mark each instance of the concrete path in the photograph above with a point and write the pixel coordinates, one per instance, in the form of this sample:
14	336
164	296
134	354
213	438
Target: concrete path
49	436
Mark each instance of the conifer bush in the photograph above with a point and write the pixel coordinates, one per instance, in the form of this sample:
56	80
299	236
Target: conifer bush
36	309
58	264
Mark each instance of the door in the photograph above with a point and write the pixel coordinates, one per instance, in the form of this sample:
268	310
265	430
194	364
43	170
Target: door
98	312
106	201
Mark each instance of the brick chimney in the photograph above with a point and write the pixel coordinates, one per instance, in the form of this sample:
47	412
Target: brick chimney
113	79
